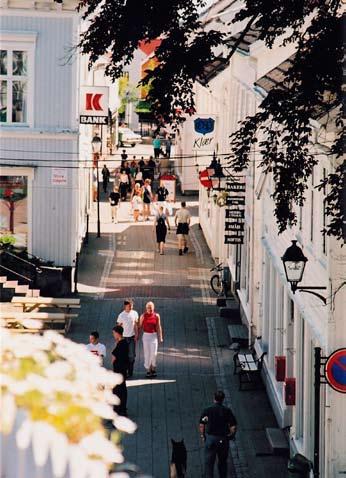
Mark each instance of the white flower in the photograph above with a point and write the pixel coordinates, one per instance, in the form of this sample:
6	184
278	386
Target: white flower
8	412
59	451
97	445
102	410
58	369
23	436
124	424
42	439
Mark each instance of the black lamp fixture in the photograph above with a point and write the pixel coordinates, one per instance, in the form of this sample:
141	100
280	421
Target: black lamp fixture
96	145
216	174
294	263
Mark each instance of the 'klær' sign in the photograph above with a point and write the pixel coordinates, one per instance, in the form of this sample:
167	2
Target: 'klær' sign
203	134
94	105
335	370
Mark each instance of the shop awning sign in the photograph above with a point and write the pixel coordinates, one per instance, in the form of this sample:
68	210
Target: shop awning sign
94	104
335	370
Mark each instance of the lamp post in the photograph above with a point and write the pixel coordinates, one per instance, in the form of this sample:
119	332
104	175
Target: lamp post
294	263
96	144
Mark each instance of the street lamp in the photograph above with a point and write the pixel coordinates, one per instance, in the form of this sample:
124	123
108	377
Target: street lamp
294	263
96	144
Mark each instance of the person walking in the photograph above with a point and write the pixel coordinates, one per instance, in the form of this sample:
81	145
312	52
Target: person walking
123	157
114	199
137	203
161	223
161	196
150	324
217	426
128	319
157	146
147	199
182	221
124	184
94	346
168	145
105	177
120	360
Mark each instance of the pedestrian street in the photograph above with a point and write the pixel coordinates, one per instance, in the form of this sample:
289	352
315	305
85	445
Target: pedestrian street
124	263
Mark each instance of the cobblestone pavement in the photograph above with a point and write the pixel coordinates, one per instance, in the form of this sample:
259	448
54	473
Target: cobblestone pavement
191	363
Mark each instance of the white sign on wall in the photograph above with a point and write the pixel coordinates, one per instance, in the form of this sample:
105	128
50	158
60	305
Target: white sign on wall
94	104
59	176
203	132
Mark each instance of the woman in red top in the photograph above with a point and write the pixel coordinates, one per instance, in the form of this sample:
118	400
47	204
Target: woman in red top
150	324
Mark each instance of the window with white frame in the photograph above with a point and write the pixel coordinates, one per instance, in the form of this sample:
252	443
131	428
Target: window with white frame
16	79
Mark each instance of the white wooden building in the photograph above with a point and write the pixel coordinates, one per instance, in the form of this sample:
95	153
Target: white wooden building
280	323
39	129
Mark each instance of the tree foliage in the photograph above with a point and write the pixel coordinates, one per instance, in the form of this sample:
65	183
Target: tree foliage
311	88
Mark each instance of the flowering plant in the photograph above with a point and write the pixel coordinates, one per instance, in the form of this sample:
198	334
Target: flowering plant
220	198
66	394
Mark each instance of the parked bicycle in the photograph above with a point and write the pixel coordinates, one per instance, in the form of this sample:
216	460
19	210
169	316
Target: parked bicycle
218	282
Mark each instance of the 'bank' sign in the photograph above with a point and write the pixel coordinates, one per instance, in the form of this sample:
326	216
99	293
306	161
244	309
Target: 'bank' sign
203	132
94	104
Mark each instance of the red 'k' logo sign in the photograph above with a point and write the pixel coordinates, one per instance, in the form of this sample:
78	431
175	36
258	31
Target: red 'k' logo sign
92	101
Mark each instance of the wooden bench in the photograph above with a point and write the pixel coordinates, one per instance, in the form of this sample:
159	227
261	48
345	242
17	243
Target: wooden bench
13	317
36	304
248	368
238	333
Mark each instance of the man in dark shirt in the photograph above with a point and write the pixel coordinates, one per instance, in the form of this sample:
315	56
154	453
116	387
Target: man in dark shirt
114	199
217	426
161	194
120	360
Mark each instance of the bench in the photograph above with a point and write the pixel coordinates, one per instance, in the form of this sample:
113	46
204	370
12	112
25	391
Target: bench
248	368
13	317
277	441
238	333
35	304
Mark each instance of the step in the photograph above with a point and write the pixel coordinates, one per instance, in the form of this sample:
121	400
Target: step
22	289
10	284
33	293
3	279
277	441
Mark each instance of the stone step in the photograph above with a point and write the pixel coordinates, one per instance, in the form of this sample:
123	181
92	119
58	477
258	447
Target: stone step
277	441
33	293
22	289
10	284
3	279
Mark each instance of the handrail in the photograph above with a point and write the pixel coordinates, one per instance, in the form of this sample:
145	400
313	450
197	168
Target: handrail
38	269
16	273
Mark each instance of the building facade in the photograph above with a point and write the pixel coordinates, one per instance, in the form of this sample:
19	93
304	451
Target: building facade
284	325
39	130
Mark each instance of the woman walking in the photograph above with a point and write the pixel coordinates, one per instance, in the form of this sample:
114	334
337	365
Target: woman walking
136	203
147	199
150	324
161	224
124	184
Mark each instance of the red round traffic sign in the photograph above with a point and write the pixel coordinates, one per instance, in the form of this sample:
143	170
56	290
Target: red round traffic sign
335	370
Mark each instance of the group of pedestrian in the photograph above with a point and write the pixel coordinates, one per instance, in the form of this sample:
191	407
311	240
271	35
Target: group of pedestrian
158	143
126	332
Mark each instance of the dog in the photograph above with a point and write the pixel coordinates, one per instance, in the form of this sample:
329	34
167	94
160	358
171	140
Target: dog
179	460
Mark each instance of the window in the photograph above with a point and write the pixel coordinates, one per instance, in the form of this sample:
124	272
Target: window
17	77
14	86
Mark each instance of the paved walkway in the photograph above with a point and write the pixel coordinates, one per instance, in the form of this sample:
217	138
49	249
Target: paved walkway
191	363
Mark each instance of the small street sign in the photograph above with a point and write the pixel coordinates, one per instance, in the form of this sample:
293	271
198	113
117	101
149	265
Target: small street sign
235	213
236	187
90	119
234	226
235	201
335	370
234	239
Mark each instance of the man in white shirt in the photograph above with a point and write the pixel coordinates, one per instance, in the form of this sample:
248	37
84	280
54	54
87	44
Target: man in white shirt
95	346
182	221
128	319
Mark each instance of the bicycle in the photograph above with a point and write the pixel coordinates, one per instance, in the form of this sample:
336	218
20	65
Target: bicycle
218	282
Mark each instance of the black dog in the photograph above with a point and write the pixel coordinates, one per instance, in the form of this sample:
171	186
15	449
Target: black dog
179	459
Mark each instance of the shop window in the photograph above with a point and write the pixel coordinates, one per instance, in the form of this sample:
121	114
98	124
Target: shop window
14	210
16	78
